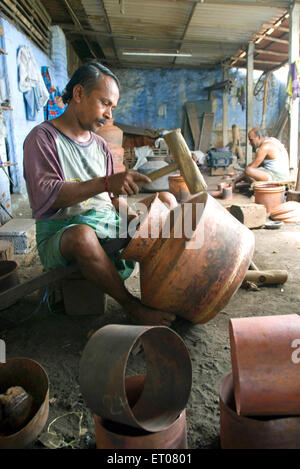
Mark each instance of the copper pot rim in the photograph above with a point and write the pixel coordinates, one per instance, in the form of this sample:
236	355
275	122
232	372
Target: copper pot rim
144	433
268	187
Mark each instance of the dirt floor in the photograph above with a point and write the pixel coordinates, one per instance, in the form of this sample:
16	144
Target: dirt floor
56	341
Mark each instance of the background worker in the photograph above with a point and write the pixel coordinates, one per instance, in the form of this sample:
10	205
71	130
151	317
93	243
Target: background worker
271	162
71	187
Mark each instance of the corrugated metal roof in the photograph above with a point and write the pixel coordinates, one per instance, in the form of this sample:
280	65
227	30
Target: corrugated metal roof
212	30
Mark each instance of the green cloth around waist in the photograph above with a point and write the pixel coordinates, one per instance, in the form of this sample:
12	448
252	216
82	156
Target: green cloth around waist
106	224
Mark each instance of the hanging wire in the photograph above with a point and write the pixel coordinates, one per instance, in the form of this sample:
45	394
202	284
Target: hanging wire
44	300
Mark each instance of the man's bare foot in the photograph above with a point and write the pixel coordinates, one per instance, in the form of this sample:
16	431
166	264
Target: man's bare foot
146	316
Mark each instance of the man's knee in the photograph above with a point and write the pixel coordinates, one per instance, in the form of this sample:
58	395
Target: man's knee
79	240
168	199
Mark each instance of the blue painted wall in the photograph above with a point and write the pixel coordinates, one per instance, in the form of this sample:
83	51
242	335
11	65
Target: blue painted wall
143	93
17	125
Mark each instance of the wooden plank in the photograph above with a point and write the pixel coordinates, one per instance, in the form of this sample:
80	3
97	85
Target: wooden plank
207	124
10	296
193	123
225	72
281	123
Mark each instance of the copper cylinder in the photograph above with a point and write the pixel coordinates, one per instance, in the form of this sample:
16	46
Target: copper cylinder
178	188
112	435
266	373
268	194
102	374
31	376
240	432
193	274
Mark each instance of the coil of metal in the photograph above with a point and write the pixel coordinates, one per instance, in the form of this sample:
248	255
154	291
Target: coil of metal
102	374
31	376
240	432
112	435
265	372
196	262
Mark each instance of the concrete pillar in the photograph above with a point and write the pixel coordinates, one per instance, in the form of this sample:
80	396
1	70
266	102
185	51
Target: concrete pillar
294	103
249	104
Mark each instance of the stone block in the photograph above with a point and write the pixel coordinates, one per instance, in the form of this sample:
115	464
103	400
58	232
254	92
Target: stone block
251	215
21	232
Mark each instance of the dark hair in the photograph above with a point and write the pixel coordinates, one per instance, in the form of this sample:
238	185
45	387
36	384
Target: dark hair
87	75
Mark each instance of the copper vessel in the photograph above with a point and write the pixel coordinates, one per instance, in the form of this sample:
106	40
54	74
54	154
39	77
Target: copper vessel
32	377
269	194
196	262
288	212
112	435
264	364
113	136
240	432
178	188
167	388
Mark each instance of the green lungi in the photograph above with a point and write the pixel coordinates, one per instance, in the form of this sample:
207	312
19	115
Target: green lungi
106	224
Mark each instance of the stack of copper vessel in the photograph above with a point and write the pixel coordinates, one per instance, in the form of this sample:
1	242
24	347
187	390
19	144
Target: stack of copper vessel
113	136
142	411
260	400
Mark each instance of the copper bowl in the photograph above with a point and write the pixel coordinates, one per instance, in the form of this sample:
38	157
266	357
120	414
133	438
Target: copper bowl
31	376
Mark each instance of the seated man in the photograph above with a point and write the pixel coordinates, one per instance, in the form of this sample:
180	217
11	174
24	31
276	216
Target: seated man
271	162
71	186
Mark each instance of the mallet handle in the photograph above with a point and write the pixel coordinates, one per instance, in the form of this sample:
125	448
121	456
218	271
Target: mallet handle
188	168
160	173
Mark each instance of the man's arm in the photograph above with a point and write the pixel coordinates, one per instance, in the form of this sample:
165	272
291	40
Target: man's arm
72	193
261	154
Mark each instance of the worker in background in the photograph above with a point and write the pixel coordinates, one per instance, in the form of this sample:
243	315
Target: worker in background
71	187
271	162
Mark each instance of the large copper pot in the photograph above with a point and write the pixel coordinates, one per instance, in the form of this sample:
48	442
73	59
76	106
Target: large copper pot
240	432
113	435
265	367
192	272
113	136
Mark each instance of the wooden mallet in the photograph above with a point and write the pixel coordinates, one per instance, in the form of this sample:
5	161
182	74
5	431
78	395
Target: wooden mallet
183	161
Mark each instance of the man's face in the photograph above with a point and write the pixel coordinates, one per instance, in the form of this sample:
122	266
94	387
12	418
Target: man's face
254	140
95	108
